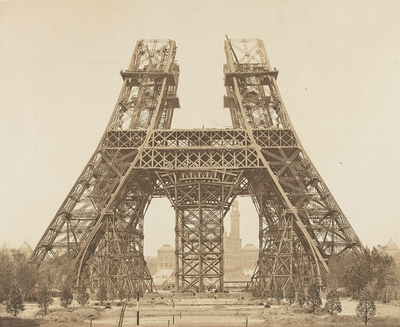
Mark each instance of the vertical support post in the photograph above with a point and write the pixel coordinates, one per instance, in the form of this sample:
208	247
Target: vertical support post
173	308
137	309
200	199
121	316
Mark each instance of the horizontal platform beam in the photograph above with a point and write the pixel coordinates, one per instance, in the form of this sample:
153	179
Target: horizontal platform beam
138	75
199	159
200	139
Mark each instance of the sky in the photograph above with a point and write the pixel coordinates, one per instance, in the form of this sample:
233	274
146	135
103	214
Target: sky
339	76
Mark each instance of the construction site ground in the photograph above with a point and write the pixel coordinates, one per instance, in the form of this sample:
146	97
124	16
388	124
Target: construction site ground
197	312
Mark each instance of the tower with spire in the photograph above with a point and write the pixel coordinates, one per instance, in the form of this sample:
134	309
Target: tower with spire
233	242
235	220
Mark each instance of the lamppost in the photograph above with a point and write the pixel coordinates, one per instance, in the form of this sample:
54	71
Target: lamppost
173	307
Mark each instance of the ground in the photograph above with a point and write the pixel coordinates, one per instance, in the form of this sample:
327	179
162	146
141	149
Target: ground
228	310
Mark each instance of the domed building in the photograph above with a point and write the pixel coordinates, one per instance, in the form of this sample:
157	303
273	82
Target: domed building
26	250
22	253
393	250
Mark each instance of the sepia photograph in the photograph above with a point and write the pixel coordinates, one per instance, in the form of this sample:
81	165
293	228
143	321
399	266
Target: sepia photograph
199	163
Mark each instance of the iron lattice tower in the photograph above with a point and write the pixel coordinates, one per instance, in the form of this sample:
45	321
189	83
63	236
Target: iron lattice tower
99	226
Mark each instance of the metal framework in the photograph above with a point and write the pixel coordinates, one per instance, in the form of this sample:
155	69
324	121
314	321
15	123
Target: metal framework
99	226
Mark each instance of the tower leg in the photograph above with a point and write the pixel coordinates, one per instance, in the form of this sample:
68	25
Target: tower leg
284	258
118	260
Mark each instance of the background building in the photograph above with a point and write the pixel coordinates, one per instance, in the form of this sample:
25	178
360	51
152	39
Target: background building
233	242
393	250
164	276
23	253
237	259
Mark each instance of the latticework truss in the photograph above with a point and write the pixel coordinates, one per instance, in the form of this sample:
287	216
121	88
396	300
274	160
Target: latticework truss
99	227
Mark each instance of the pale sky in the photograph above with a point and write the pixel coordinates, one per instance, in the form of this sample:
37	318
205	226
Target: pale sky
339	76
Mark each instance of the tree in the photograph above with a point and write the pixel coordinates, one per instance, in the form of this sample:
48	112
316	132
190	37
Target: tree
366	308
265	294
44	299
332	304
83	295
358	272
26	277
102	293
121	293
66	297
290	294
277	293
314	300
6	274
301	297
335	277
373	269
14	303
384	277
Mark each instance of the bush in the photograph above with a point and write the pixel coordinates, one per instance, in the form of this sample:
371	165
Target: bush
314	300
83	296
66	297
14	302
44	299
290	294
301	297
366	308
333	305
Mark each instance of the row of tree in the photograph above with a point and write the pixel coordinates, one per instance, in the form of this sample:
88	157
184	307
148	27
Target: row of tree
312	299
14	270
21	282
367	276
373	270
365	309
15	301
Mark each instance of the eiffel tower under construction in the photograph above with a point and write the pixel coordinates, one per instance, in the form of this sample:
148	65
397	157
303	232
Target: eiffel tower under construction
96	237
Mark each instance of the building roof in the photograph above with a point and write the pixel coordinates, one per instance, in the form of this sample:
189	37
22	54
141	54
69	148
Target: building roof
392	247
25	249
166	248
248	272
249	247
164	273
